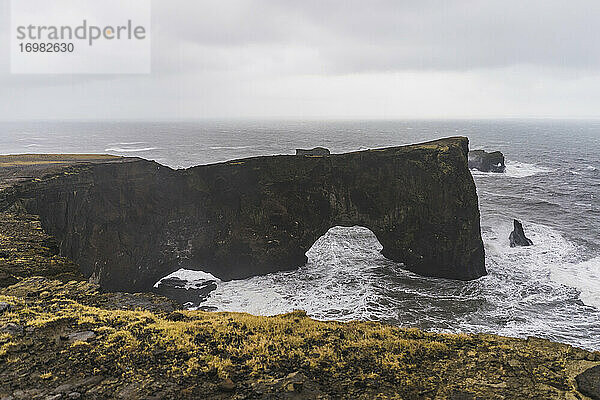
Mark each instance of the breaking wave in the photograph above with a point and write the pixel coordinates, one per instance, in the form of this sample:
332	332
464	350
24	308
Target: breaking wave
129	149
336	283
584	276
516	169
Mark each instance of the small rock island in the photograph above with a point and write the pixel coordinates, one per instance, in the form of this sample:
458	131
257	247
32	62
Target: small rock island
483	161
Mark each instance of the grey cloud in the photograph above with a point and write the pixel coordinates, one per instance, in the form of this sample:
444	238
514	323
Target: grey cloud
388	35
338	58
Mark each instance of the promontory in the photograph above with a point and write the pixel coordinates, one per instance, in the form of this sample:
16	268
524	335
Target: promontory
127	222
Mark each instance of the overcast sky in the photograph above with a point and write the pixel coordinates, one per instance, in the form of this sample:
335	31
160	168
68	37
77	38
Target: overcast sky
338	59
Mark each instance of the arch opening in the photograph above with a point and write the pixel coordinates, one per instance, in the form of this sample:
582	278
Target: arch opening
339	281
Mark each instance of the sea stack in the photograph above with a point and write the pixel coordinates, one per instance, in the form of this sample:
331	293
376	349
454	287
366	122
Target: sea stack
517	236
483	161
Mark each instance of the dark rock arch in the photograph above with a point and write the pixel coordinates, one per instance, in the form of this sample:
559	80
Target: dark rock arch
131	222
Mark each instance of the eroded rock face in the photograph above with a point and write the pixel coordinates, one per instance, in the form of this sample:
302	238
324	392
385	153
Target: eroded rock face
483	161
127	224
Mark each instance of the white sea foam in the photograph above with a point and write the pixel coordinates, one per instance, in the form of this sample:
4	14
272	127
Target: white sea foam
524	295
529	291
347	278
126	143
549	245
190	276
340	280
130	149
583	170
327	287
584	276
516	169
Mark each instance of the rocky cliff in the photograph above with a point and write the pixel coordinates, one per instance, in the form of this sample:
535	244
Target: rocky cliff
128	222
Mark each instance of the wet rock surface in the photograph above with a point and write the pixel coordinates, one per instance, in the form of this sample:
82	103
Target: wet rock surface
180	291
517	236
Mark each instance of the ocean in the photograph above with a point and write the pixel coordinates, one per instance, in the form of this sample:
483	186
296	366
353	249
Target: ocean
552	184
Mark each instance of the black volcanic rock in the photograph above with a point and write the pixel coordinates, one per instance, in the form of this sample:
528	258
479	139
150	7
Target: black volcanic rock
517	236
317	151
130	222
486	162
588	382
179	290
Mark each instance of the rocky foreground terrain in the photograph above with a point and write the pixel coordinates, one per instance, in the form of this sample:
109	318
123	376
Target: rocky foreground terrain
62	337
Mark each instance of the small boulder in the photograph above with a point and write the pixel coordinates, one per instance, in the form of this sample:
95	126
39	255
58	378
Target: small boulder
176	316
293	386
517	236
7	279
588	382
483	161
317	151
83	336
293	382
179	290
227	385
65	388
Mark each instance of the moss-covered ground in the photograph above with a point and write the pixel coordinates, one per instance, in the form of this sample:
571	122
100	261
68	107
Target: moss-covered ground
56	336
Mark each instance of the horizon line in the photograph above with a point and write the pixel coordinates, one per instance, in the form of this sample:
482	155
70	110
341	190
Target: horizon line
309	119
